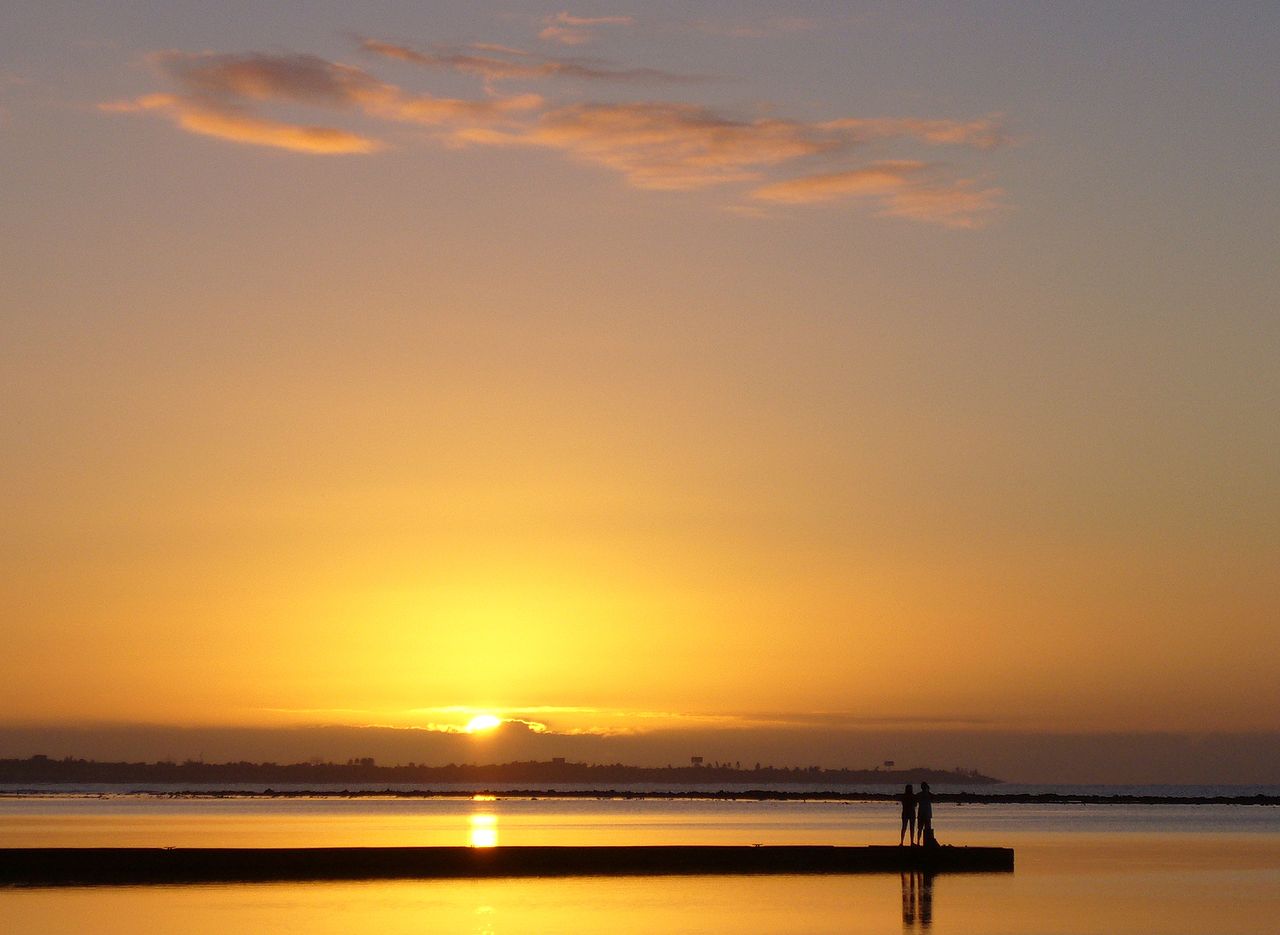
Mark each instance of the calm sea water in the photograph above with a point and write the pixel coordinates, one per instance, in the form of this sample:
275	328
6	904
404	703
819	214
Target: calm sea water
1080	868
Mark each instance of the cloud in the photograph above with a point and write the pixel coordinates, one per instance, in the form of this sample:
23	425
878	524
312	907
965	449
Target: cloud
258	76
959	204
983	133
568	29
497	63
505	724
553	720
232	124
571	20
772	26
664	145
684	147
877	179
249	98
837	720
905	189
216	91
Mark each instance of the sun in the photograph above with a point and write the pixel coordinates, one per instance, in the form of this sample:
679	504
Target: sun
482	722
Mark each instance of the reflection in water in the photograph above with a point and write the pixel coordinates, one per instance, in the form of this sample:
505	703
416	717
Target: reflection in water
917	901
484	920
484	830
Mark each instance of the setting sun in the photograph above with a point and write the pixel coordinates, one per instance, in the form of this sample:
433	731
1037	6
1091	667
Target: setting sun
483	722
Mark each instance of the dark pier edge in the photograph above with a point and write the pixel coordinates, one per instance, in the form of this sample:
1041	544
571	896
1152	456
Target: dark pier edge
111	866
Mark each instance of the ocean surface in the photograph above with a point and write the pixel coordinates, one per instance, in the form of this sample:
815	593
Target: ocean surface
1098	868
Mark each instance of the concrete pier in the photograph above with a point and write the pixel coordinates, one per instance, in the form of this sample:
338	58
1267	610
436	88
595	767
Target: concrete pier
99	866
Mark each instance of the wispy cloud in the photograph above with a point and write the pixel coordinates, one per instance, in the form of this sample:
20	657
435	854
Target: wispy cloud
844	721
962	203
254	98
685	147
568	29
497	63
588	721
227	122
982	133
571	20
216	93
663	145
904	189
562	720
758	29
877	179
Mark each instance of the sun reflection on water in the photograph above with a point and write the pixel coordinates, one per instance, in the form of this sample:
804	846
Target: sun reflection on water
484	830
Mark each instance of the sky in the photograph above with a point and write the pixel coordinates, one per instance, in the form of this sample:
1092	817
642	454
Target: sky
754	375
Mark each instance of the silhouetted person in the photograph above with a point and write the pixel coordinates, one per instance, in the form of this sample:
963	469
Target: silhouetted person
908	799
924	815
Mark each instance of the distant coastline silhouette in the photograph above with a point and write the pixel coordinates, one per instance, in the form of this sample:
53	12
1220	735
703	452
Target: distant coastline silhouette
42	769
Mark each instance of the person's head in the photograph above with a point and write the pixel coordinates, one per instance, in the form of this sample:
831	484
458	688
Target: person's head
924	787
908	787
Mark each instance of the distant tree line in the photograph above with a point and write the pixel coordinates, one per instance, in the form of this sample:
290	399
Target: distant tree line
43	769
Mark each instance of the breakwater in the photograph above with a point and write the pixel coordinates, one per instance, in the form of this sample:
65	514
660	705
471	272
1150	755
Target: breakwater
73	866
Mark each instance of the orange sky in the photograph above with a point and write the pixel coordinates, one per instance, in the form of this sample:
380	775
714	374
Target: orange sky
712	365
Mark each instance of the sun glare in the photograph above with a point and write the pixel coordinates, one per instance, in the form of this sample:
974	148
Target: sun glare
484	830
482	722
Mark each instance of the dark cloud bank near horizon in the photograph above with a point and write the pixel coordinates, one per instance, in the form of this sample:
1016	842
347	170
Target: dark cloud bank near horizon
1139	758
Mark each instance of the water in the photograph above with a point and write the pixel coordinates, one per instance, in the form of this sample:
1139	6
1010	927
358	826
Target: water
1190	870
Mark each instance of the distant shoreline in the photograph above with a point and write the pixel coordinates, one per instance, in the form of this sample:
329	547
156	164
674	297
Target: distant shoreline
749	795
42	770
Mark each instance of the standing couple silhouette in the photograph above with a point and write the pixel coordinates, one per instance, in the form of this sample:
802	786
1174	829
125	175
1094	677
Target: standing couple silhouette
917	815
